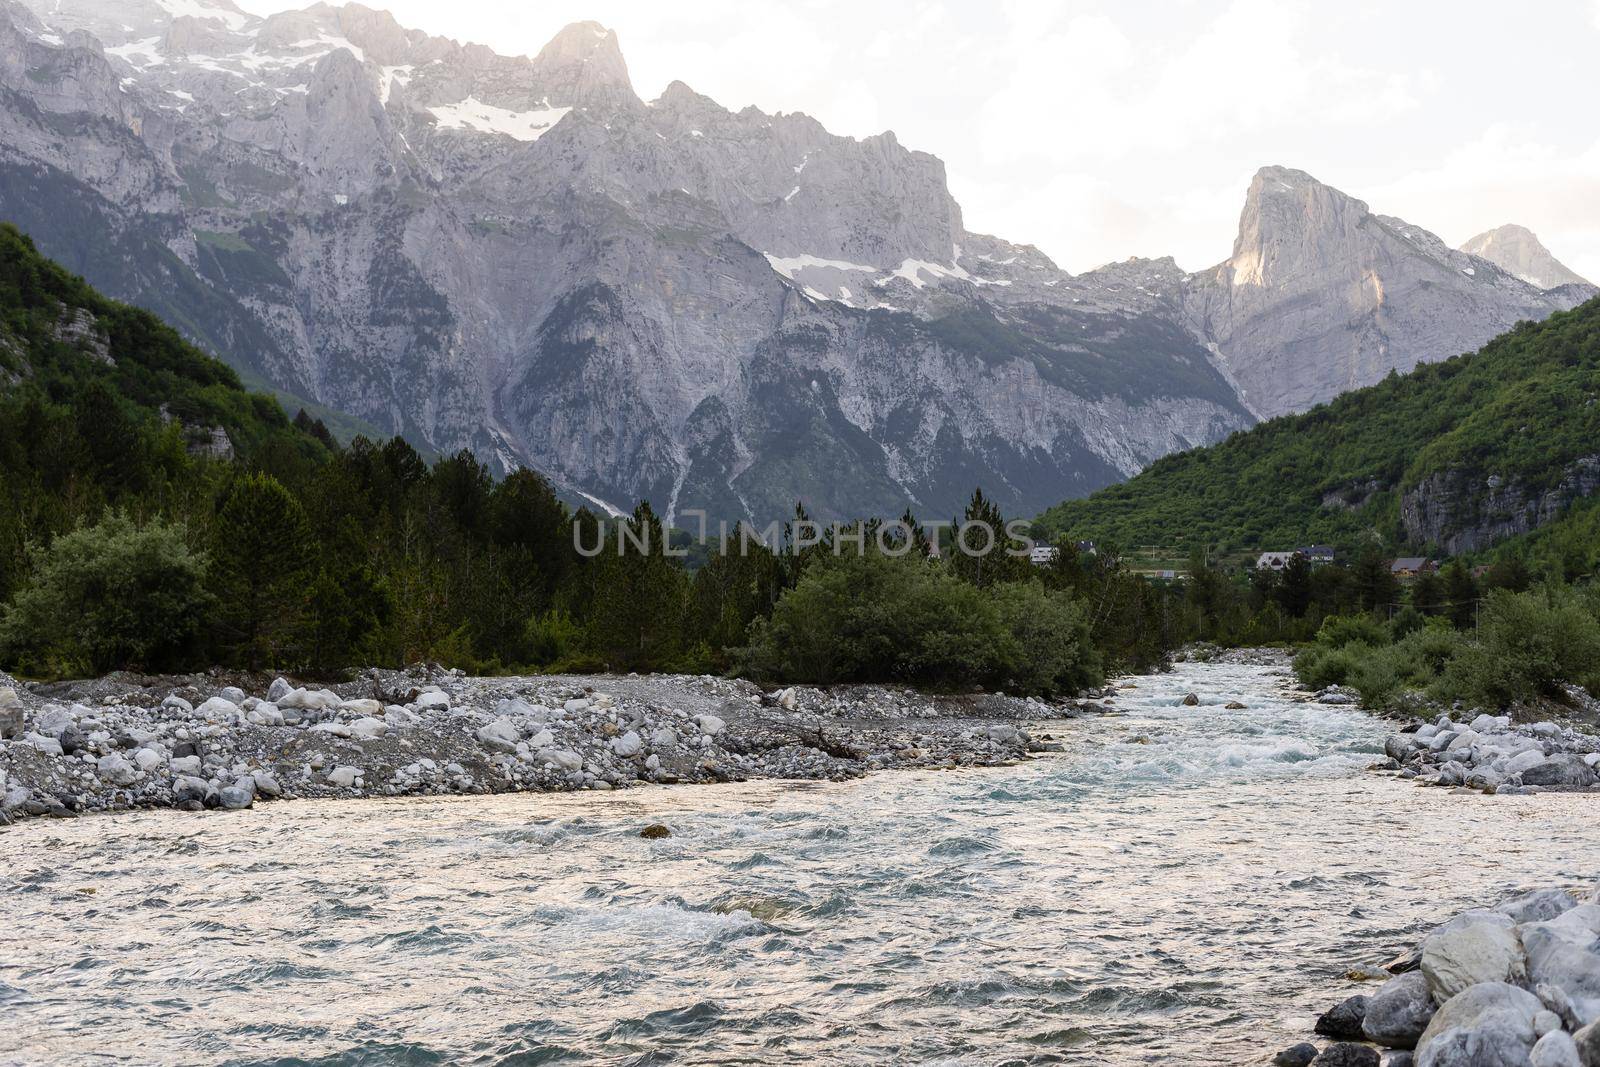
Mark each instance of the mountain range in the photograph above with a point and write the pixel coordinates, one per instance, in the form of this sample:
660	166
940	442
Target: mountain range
669	300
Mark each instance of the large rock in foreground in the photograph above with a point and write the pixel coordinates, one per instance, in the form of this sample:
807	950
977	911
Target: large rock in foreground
1489	1025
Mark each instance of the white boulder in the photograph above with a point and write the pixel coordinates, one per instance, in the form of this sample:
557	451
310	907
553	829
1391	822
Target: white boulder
1474	947
368	728
343	777
1489	1025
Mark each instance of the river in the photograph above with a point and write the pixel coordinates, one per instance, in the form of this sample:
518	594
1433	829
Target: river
1182	885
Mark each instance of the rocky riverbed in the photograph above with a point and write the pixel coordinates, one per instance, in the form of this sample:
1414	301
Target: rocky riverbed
127	742
1495	754
1515	985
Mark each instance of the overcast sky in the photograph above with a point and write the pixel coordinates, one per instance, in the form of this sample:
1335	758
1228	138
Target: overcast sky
1099	130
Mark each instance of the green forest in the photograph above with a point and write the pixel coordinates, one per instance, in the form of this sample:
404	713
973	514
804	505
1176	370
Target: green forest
125	543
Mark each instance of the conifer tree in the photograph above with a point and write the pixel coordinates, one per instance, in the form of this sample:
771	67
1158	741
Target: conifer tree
262	573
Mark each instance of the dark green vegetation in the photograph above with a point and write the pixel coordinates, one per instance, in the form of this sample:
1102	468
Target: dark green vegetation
155	515
1516	418
1521	646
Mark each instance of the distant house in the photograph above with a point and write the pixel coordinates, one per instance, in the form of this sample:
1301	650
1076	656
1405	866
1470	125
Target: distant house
1408	567
1044	555
1318	554
1274	561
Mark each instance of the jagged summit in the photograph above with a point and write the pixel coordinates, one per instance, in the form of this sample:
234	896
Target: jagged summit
1321	295
583	66
1517	250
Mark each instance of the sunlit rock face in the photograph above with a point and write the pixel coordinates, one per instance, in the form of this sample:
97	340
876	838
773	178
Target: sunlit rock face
1322	296
710	309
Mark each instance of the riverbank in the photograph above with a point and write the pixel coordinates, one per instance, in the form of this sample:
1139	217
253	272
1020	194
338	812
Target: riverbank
126	742
1493	754
1513	985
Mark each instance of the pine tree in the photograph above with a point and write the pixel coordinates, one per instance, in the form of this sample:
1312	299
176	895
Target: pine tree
264	564
979	546
1428	593
1294	590
636	620
1461	595
1376	587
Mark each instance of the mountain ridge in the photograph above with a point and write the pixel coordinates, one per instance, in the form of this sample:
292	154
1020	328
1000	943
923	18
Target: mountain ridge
1453	457
665	300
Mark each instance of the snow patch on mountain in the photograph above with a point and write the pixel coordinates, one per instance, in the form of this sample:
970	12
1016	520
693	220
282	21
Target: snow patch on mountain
473	114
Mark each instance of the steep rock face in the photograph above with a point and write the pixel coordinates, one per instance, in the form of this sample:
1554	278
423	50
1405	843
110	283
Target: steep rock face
1463	513
1517	251
670	300
1322	296
710	309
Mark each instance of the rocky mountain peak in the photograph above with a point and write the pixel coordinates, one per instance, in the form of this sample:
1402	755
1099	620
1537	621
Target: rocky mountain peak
582	66
1322	296
1289	217
1516	250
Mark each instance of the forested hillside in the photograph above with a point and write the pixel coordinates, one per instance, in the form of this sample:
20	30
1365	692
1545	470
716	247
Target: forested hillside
1455	455
155	515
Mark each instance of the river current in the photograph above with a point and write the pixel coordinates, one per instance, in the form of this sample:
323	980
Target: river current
1182	885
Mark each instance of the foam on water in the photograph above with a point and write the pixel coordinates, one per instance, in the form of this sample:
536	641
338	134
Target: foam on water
1183	884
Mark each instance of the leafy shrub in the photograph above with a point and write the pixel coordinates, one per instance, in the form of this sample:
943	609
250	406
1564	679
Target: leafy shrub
1049	648
876	619
1341	630
113	595
1320	666
1527	644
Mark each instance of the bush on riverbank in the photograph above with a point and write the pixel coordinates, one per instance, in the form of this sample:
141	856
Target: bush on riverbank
1526	645
873	618
106	595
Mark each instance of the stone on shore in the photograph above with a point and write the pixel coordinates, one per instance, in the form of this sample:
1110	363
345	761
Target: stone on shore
501	734
368	728
11	713
116	770
343	777
1343	1022
1562	955
1540	906
1488	1025
1555	1049
1346	1054
1475	947
1588	1042
562	759
235	799
1399	1011
1299	1055
1564	771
